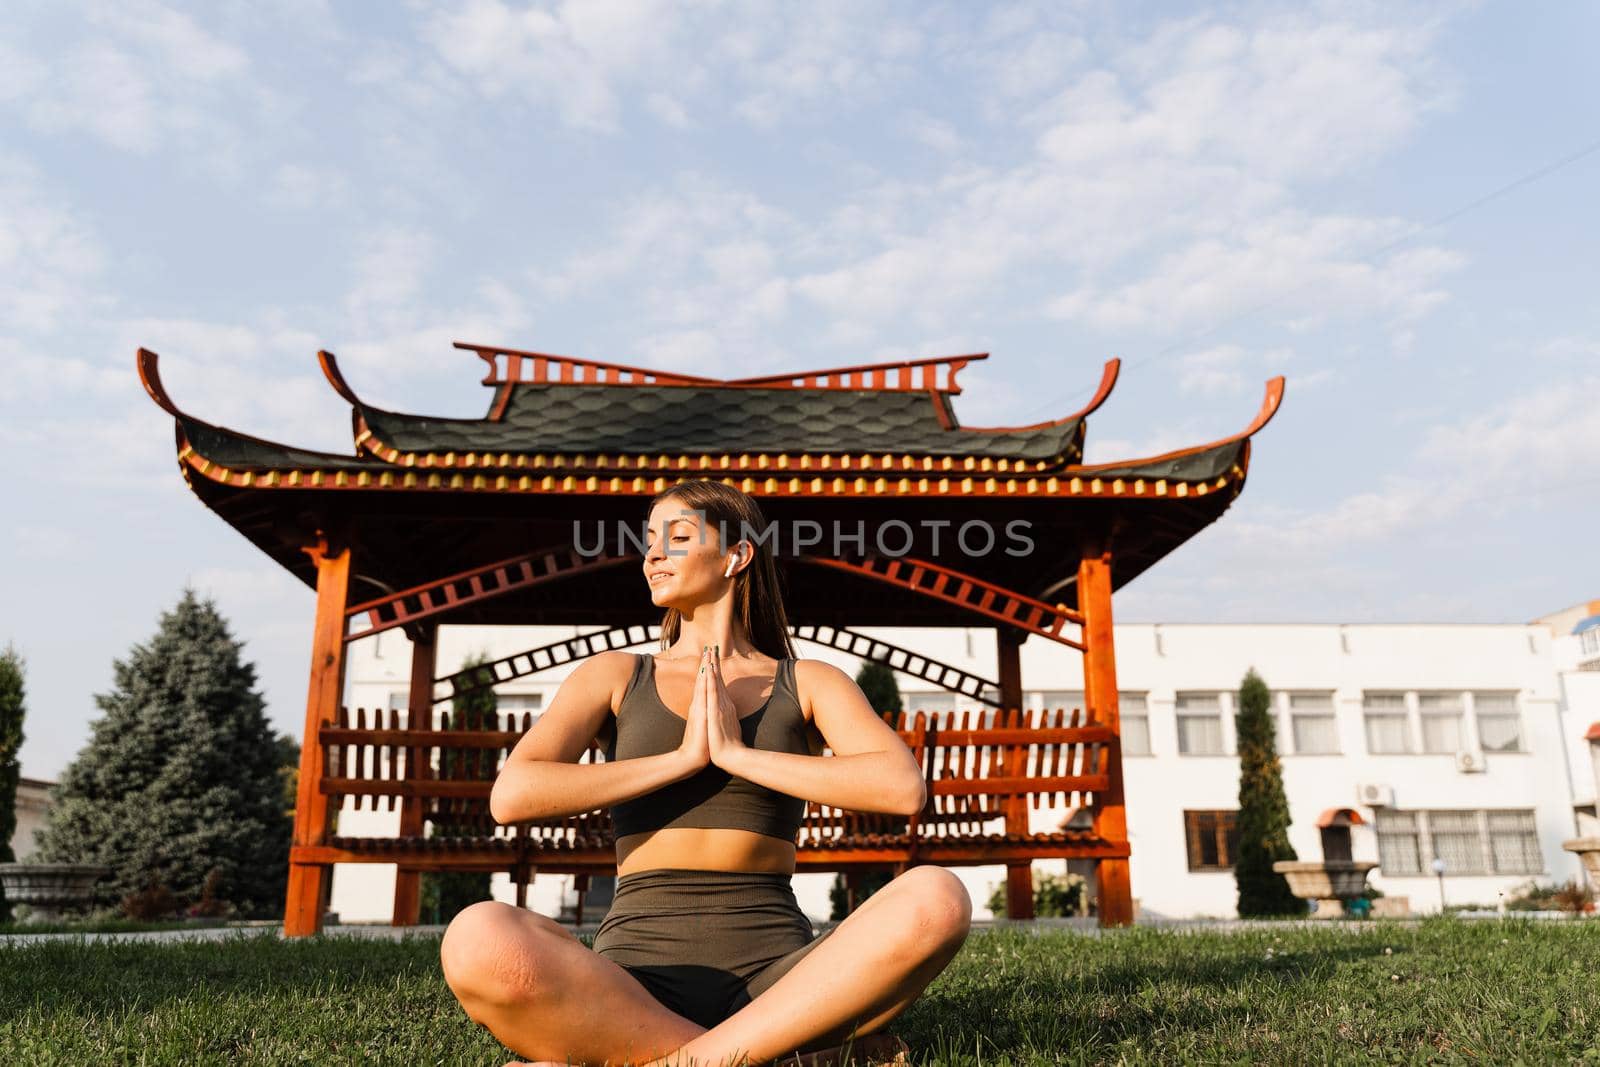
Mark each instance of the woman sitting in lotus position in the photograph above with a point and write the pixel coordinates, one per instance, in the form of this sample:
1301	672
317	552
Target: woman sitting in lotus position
712	747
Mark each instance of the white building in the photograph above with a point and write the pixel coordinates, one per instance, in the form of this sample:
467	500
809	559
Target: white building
1461	741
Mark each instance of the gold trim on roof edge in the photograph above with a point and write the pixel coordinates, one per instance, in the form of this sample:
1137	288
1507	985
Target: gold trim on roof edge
639	483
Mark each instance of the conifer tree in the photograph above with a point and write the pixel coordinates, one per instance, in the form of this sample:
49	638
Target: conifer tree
12	711
1263	808
180	776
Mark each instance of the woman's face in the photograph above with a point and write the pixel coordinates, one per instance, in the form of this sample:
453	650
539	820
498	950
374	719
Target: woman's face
684	561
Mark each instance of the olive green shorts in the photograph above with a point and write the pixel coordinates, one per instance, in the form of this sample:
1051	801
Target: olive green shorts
705	943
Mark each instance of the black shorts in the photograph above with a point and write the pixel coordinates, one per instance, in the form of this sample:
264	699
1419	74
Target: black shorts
705	943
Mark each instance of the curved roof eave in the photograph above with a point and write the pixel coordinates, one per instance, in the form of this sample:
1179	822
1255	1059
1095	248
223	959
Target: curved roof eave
1269	407
218	444
1108	382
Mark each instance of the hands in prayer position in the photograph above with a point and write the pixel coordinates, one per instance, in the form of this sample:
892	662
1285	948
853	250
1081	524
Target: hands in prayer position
721	715
711	735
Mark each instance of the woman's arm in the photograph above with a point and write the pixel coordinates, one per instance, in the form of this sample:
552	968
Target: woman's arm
872	769
541	778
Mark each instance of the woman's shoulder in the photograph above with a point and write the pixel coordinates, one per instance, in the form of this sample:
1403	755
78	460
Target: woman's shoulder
814	675
610	670
816	668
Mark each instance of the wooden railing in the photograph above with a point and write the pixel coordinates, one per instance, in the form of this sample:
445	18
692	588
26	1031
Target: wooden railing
985	770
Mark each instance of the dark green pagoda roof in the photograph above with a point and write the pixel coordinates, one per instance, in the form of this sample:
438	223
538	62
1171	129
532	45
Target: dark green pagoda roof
648	419
238	451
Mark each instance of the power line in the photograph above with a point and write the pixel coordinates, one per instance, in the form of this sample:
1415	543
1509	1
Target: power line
1250	312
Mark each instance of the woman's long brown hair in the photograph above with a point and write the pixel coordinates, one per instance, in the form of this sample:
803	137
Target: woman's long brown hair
757	600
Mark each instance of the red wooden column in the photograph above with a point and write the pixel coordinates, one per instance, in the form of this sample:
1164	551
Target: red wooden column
309	883
1100	696
419	716
1019	873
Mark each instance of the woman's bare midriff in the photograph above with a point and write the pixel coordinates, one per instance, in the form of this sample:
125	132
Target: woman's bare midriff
699	849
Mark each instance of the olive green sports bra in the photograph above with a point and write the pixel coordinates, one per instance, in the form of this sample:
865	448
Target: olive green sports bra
711	797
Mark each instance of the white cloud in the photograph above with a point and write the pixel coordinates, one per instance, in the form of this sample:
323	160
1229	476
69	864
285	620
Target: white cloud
1488	461
50	257
585	62
296	187
1304	266
389	270
1160	193
134	75
1212	370
1291	95
1189	144
937	134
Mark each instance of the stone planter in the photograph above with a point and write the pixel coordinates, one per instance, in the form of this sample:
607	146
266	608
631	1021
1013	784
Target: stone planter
1588	850
1325	879
51	888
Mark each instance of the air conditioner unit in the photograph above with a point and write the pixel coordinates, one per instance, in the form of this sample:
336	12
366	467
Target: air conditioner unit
1375	796
1469	762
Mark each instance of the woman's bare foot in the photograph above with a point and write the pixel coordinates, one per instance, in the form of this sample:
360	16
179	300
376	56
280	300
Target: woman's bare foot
870	1050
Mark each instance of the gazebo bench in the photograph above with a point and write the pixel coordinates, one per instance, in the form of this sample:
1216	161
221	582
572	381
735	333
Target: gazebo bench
984	770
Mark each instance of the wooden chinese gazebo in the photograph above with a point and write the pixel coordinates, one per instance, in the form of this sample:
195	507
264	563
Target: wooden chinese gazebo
471	521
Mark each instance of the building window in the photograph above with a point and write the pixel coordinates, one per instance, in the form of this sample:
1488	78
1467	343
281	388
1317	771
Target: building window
1399	842
1589	641
1441	721
1051	699
1312	723
1499	725
928	700
1514	843
517	703
1199	725
1135	724
1388	731
1458	840
1469	842
946	709
1213	839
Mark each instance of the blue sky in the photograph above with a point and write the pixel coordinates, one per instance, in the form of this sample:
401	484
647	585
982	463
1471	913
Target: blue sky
1216	194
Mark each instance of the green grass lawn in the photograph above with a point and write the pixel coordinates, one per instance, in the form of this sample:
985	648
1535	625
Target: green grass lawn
1446	990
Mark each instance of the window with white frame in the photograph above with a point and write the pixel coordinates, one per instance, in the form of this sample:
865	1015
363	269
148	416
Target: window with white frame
1499	724
1471	842
1051	699
1135	714
1199	724
1514	843
1589	641
940	705
398	700
518	703
1441	721
1458	840
1387	726
928	700
1312	723
1399	842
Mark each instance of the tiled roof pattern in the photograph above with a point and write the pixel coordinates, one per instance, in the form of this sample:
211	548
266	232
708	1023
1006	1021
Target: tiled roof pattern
242	452
1196	466
648	419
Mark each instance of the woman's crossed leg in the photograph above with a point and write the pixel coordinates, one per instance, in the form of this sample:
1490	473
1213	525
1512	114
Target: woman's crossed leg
547	996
